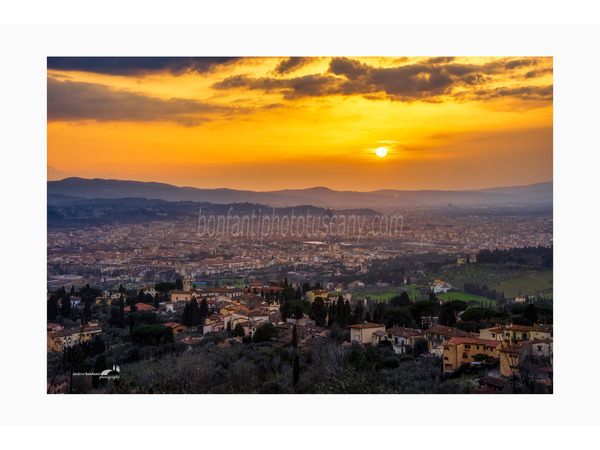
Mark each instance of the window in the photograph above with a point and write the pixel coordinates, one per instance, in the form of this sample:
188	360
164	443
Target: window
465	356
445	358
539	348
478	347
468	346
493	335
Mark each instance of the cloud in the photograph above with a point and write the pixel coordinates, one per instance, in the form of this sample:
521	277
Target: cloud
522	92
431	81
136	65
440	59
292	64
73	101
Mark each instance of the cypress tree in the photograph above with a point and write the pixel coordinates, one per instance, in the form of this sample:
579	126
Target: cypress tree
294	337
52	308
203	309
296	370
65	307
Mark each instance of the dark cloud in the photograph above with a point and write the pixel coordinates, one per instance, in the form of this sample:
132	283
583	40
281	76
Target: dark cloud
77	101
440	59
292	64
537	72
136	65
350	68
522	92
426	81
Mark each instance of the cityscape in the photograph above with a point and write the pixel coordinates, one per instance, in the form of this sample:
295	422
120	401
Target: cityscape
300	225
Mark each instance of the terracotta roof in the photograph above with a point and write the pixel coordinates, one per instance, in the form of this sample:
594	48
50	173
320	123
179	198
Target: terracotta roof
520	328
405	332
447	331
473	341
367	325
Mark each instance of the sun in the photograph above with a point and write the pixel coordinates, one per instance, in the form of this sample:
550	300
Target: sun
381	152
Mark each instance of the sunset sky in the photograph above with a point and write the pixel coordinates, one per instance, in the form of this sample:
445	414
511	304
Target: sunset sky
286	123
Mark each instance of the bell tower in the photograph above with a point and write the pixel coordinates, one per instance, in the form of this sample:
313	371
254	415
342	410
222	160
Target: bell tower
186	284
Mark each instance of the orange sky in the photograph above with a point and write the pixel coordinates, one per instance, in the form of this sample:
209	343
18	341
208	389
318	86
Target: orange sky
279	123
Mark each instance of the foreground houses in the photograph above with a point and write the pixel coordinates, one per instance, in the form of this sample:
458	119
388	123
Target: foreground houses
401	338
463	350
532	359
59	339
439	334
363	332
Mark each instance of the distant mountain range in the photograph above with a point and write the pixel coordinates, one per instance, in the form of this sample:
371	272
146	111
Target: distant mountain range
534	195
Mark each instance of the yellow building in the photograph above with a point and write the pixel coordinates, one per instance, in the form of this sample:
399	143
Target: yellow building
103	300
363	333
461	350
176	327
58	340
513	334
311	295
512	356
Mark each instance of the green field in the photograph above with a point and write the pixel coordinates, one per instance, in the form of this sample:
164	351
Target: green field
528	285
465	297
383	294
237	282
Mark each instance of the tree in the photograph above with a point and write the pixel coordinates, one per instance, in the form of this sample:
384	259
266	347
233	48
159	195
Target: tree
52	308
121	322
398	317
447	315
99	366
531	313
238	330
379	311
421	347
298	293
164	287
294	337
203	309
65	307
87	312
288	294
186	315
305	288
357	315
318	311
400	300
285	311
298	313
195	314
179	284
296	370
265	332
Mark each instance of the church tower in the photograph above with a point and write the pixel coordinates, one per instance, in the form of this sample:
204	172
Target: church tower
186	284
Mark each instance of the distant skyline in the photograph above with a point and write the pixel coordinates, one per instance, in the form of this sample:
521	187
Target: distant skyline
291	123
